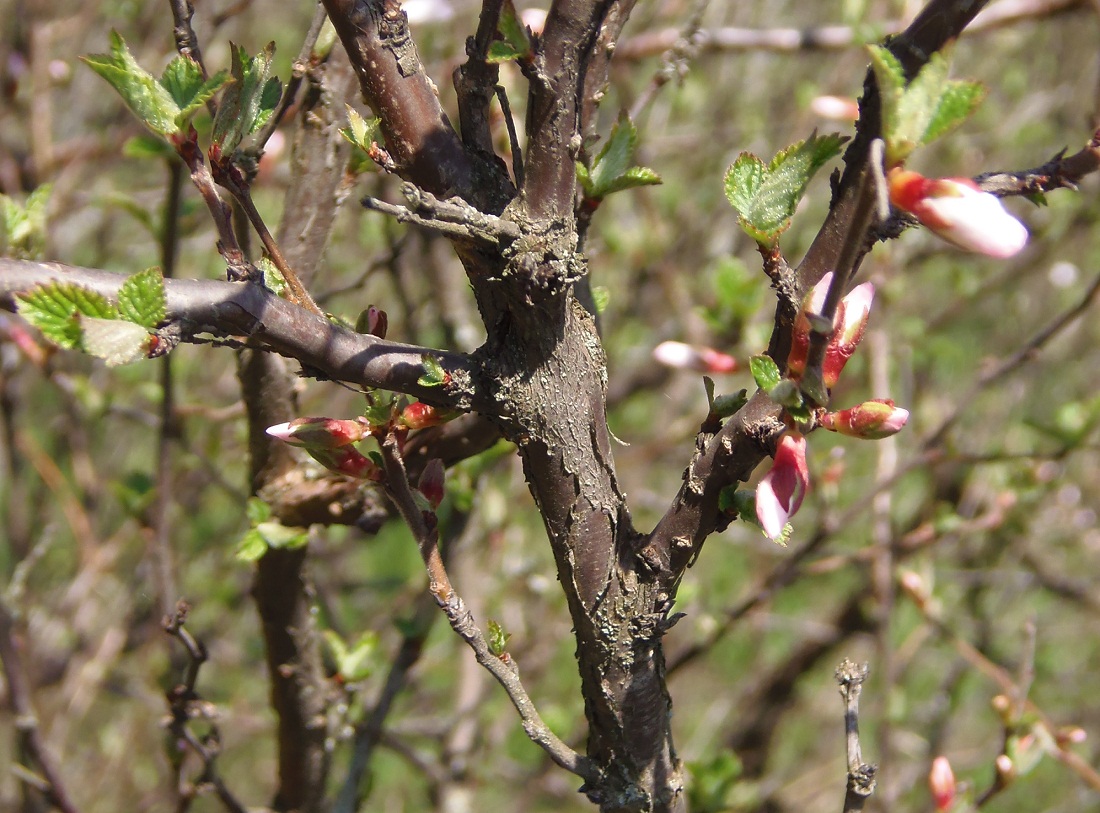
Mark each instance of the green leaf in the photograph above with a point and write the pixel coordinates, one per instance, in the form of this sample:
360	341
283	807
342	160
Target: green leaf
601	297
247	102
274	280
726	405
434	375
922	110
357	661
766	197
141	298
56	308
498	639
251	547
958	101
612	171
765	372
182	78
281	537
23	228
512	28
257	510
743	181
501	52
149	100
116	341
360	131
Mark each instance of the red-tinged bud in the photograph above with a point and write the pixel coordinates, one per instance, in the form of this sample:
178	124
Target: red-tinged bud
941	780
419	415
348	460
849	324
958	210
779	495
431	482
682	356
1006	769
871	420
318	433
377	322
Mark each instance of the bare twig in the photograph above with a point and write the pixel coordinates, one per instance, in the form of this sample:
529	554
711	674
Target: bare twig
424	530
861	775
827	37
48	780
185	704
453	217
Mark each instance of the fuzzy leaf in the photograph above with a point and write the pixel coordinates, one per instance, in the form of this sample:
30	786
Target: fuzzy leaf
958	101
150	101
147	146
631	178
56	308
23	228
182	78
360	131
498	639
765	372
248	101
766	197
890	76
274	280
614	159
116	341
141	298
251	547
434	375
514	32
278	536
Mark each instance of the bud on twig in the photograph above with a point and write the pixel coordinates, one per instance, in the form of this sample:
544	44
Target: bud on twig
318	433
941	780
871	420
779	495
681	356
958	210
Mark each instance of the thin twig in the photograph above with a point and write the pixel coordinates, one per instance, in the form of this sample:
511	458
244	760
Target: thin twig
26	721
423	526
513	138
453	217
861	775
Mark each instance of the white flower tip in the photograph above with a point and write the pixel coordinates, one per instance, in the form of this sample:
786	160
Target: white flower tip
282	431
835	108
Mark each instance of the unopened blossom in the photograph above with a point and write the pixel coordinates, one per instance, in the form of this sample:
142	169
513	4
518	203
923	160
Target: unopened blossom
318	433
871	420
835	108
941	781
431	482
347	460
958	210
849	325
779	495
419	415
681	356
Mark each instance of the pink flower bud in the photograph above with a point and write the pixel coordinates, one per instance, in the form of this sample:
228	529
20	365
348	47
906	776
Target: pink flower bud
431	482
835	108
871	420
849	324
682	356
779	495
347	460
1006	769
958	211
941	779
318	433
419	415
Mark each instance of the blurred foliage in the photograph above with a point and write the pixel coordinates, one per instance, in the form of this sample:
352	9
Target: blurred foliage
999	520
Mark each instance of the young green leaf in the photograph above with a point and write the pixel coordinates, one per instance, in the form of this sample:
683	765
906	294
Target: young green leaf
149	100
612	171
434	374
274	280
358	661
922	110
765	372
141	298
515	42
247	103
251	547
766	197
257	510
279	536
23	228
498	639
56	308
182	78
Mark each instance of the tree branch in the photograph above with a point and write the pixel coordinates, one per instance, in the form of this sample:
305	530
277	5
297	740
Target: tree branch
861	776
275	324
